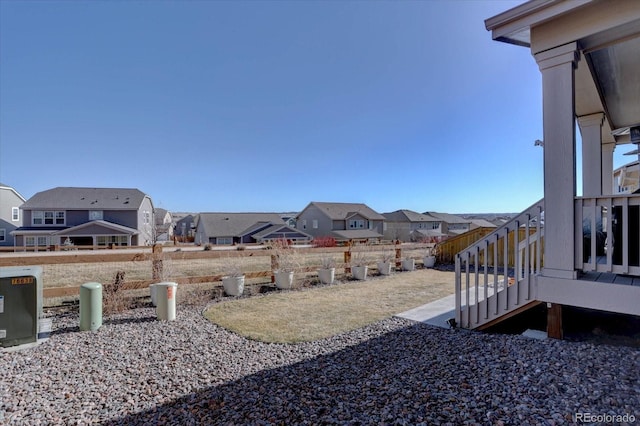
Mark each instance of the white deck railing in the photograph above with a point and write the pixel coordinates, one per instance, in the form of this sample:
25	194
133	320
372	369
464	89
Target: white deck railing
608	234
494	275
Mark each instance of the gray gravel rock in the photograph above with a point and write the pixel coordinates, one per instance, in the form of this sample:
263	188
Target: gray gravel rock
137	370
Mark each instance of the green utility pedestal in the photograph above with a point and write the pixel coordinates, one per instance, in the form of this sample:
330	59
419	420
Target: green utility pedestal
90	306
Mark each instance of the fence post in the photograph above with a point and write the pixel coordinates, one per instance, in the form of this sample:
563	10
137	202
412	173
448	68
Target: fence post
274	266
156	262
398	254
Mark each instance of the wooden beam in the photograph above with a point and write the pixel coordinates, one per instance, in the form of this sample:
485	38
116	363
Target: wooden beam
554	321
511	314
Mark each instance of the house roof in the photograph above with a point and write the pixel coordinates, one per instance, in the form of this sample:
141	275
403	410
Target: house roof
234	224
448	218
429	233
340	211
3	186
98	227
409	216
160	215
281	230
356	234
483	223
71	198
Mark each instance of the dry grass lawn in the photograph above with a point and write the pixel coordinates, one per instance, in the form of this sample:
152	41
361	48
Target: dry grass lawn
317	313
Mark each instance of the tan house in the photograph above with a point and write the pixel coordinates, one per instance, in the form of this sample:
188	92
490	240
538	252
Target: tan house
342	221
407	225
588	53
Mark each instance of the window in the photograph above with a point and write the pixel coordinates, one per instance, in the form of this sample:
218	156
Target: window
304	223
48	218
3	235
37	218
224	240
96	215
15	214
435	225
356	224
31	241
146	217
370	224
119	240
458	226
315	223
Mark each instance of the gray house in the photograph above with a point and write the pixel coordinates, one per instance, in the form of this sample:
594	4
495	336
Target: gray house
86	216
10	217
451	225
244	228
407	225
342	221
184	226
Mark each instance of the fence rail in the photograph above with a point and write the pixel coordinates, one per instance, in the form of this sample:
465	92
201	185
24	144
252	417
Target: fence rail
65	272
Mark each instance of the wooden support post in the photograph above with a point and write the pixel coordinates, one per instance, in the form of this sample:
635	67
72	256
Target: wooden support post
398	254
347	261
554	321
156	262
274	267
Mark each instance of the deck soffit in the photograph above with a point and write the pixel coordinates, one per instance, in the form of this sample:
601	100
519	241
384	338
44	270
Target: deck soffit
607	77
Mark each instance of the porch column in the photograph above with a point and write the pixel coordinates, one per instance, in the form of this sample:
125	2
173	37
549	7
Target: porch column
558	86
607	168
592	164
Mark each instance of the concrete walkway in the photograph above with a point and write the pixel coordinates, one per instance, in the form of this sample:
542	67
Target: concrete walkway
435	313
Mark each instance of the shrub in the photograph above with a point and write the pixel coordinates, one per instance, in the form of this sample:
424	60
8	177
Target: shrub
114	299
324	242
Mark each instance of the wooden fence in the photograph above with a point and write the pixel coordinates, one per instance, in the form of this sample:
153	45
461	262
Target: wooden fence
450	247
156	264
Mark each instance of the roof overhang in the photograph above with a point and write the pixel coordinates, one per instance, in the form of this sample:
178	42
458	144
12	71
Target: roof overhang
356	234
97	227
607	32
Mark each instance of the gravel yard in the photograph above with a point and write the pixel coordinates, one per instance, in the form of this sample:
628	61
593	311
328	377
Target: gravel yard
137	370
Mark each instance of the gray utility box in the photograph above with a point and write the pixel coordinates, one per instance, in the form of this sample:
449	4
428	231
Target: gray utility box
20	305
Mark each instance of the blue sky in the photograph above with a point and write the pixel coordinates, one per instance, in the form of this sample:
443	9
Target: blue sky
269	105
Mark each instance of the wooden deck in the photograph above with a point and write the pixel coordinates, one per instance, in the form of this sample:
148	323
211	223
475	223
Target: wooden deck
611	278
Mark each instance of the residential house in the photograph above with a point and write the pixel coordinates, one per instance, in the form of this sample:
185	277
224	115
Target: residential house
480	223
342	221
244	228
10	218
450	224
626	179
184	228
289	218
407	225
163	225
588	55
86	216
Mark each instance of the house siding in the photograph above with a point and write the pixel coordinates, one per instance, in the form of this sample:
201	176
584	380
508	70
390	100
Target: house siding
311	213
398	231
129	216
328	223
9	200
